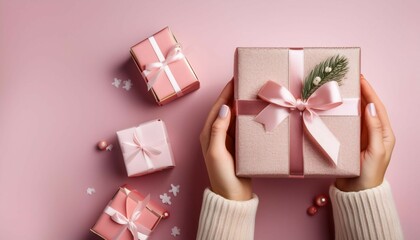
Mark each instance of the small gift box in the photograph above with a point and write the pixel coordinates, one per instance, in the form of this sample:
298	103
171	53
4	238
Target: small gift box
166	70
146	148
129	215
298	112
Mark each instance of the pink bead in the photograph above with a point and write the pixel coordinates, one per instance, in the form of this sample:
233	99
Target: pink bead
102	145
300	105
165	215
321	200
312	210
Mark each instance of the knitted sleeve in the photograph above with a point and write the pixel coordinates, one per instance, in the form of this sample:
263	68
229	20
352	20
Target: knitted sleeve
221	218
367	214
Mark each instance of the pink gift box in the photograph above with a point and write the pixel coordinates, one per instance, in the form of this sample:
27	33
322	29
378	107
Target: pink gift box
146	148
279	135
164	67
127	207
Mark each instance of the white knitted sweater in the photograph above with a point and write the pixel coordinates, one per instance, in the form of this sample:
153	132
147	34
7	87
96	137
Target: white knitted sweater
368	214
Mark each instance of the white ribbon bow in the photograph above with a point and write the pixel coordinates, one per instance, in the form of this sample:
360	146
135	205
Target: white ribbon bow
174	54
130	223
148	152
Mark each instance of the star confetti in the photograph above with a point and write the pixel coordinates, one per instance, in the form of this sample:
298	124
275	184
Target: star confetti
109	147
175	231
127	84
116	82
174	189
90	190
165	199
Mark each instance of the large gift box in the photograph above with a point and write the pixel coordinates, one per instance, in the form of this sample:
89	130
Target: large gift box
297	112
129	215
164	67
146	148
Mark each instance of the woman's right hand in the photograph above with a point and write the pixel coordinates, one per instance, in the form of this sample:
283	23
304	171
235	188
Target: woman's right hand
218	150
377	143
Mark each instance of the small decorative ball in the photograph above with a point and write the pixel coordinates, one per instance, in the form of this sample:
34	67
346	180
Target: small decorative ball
165	215
316	81
102	145
321	200
328	69
312	210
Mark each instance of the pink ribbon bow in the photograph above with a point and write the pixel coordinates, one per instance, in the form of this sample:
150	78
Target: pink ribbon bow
282	102
137	148
174	54
138	231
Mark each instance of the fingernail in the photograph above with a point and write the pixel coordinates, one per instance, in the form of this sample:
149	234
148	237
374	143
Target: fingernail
372	109
223	112
362	76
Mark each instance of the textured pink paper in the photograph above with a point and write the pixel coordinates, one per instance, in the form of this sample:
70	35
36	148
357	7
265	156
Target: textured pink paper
163	91
57	62
149	218
266	154
151	133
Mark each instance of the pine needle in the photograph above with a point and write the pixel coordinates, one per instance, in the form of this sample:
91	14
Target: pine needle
338	66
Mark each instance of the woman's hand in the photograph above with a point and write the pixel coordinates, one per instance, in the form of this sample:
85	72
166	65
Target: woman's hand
218	148
377	143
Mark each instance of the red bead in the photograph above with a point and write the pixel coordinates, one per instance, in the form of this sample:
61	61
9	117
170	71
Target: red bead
321	200
165	215
312	210
102	145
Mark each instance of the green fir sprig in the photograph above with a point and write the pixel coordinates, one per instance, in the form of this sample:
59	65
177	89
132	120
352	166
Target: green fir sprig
332	69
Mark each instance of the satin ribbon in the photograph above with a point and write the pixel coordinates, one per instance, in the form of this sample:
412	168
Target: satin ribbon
153	70
282	102
134	148
128	221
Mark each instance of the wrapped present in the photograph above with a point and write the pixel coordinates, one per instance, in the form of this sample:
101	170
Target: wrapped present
128	216
146	148
164	67
297	112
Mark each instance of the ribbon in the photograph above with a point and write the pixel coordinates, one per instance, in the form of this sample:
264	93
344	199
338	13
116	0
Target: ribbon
128	221
153	70
282	102
135	147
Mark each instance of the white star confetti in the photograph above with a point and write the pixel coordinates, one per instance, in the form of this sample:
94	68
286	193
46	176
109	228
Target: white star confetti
165	199
109	147
116	82
174	189
90	190
175	231
127	84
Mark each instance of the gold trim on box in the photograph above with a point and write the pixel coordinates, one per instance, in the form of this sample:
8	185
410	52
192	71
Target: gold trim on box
99	235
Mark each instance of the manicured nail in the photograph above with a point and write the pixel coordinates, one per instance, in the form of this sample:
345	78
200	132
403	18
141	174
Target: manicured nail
223	112
372	109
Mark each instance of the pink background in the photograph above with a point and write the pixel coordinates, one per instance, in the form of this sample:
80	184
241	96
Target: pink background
57	63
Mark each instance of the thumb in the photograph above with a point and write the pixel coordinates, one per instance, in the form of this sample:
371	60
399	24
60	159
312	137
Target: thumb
219	129
374	129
